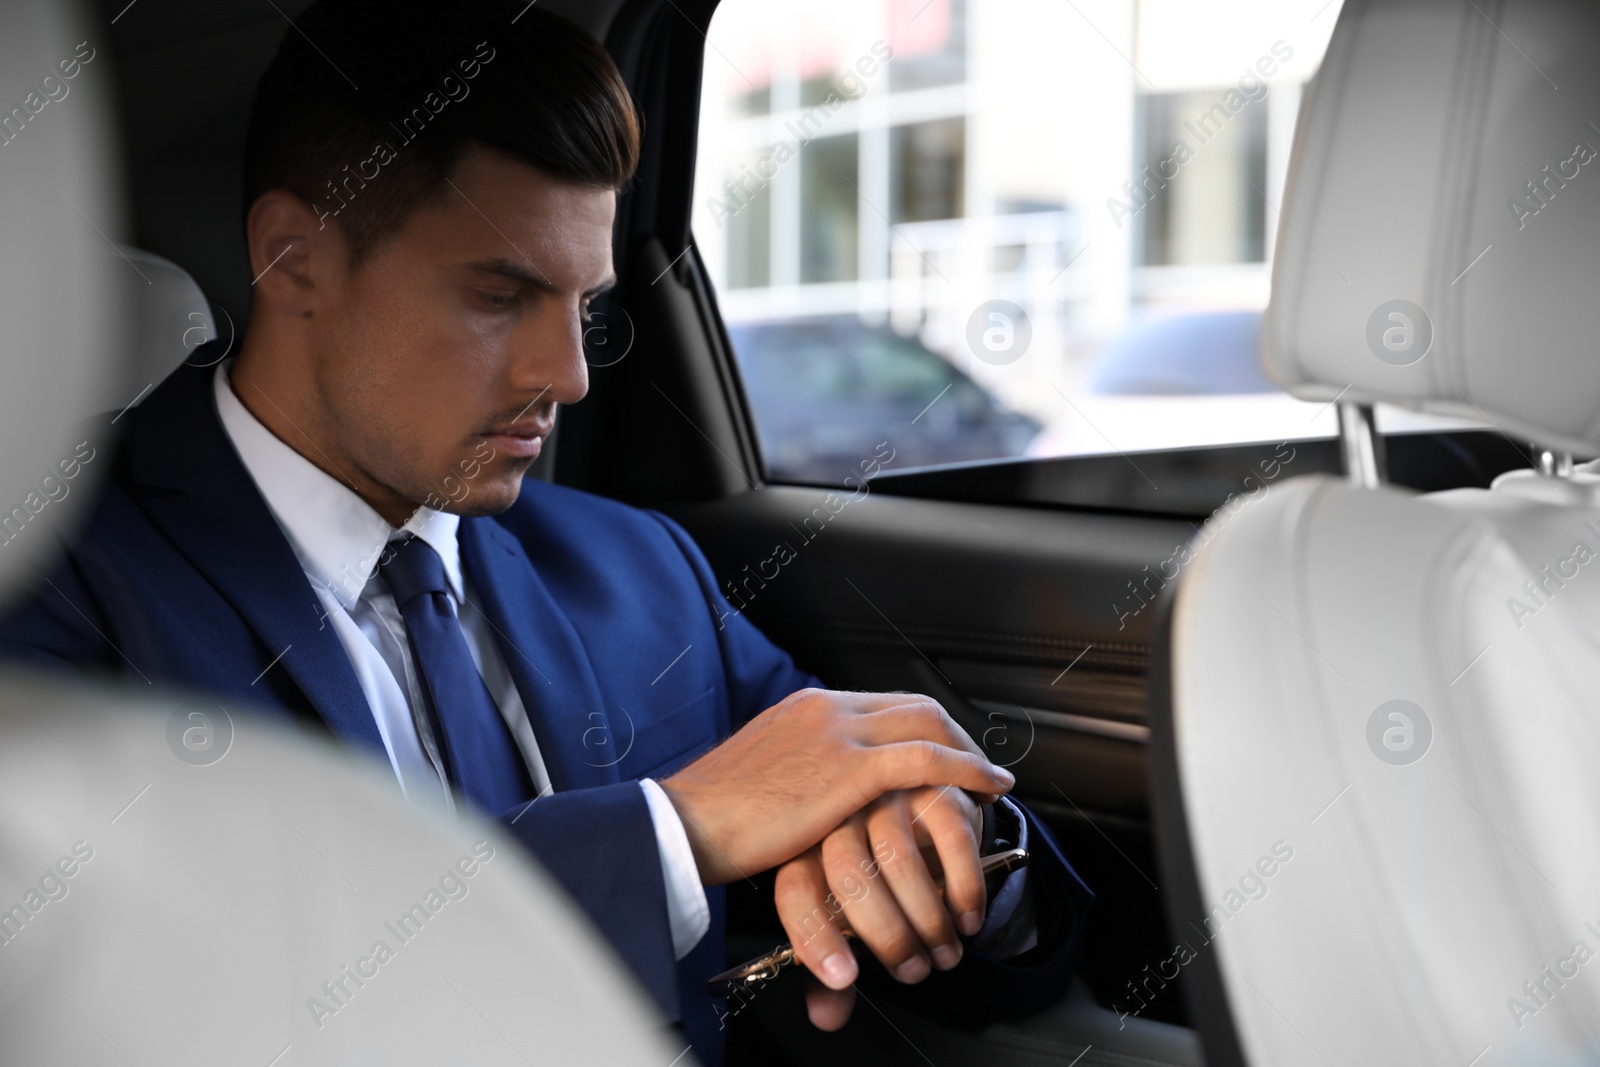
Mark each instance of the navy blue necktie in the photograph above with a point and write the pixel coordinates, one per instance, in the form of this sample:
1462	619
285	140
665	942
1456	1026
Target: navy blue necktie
481	759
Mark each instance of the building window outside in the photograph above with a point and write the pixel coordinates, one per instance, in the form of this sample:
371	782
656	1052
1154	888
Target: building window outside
829	209
928	170
1206	201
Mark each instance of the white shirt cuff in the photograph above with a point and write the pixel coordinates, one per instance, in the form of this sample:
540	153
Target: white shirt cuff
687	910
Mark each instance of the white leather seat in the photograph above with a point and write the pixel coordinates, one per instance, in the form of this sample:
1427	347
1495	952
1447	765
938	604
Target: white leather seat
1440	903
1419	896
225	891
61	308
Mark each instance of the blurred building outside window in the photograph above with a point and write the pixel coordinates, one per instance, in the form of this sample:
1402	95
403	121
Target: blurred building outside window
1069	208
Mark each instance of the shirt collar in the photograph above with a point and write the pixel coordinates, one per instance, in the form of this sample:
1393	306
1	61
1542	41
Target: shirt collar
336	536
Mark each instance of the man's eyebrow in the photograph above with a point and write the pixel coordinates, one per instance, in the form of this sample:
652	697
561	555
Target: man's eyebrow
522	275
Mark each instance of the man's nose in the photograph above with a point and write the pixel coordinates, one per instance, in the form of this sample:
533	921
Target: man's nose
550	357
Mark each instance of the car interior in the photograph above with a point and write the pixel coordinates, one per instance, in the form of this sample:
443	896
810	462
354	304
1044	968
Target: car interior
1034	590
161	901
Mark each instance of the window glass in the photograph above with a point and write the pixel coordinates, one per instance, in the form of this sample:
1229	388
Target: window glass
979	229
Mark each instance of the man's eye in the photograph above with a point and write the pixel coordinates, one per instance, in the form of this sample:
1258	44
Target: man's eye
498	301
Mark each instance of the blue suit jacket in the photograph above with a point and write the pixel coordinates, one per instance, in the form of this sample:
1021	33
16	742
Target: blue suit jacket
627	657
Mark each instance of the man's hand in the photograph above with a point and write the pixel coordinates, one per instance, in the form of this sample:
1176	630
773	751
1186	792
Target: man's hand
805	765
870	875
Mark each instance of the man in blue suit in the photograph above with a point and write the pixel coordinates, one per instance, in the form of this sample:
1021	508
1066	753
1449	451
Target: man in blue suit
334	529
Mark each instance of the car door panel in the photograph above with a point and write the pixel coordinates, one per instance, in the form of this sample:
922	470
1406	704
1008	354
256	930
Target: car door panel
1008	616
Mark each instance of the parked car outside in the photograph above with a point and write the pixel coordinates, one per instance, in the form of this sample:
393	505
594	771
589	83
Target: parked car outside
827	390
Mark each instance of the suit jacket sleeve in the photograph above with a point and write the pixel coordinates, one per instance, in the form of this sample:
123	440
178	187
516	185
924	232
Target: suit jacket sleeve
600	844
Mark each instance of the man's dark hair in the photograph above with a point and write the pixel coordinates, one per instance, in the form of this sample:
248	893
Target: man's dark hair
368	107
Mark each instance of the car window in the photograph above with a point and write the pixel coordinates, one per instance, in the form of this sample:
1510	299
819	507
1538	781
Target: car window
1053	220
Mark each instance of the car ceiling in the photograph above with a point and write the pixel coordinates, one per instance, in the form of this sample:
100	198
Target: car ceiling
185	71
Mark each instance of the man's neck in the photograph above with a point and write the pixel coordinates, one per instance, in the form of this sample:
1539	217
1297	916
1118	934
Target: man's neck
272	399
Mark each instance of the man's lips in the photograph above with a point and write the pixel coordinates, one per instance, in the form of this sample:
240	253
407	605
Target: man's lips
520	441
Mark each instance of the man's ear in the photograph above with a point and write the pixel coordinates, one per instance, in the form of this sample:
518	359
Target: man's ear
291	256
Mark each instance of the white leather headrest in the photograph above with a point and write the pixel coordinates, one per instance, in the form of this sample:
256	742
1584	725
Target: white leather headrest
60	291
1441	239
171	317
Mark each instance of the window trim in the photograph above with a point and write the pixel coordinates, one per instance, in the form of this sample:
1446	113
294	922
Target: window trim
1205	476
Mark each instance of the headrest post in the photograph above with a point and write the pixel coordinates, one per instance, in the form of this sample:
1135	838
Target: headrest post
1553	464
1360	445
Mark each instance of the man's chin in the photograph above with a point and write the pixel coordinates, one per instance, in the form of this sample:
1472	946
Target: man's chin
487	497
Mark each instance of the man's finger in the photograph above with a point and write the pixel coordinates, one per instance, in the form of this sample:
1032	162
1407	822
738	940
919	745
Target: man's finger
828	1009
903	870
868	703
870	906
919	719
810	917
949	829
912	764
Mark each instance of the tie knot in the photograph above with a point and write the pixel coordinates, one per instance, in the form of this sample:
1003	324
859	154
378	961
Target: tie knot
412	568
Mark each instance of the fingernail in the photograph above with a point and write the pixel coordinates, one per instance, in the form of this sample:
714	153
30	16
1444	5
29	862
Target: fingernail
1005	777
913	970
838	970
971	922
946	956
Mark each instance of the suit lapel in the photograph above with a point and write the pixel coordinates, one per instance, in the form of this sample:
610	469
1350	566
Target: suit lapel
581	740
212	512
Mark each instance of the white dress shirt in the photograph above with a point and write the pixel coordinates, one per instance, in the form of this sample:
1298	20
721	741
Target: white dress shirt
337	538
